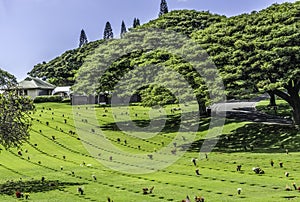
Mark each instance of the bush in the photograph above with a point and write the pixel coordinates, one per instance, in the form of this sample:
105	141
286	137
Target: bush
66	100
49	98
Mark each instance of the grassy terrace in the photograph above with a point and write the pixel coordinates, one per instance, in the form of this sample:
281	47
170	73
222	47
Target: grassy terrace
57	152
283	108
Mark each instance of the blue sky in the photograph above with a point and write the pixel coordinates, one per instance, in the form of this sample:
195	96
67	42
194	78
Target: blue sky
33	31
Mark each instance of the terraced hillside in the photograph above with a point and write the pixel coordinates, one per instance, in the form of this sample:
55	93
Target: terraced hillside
55	162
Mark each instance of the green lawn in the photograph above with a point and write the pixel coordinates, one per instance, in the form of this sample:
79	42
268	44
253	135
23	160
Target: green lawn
283	108
63	159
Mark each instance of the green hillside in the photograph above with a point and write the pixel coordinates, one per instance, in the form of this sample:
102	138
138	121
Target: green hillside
247	49
61	71
184	21
255	51
56	152
120	153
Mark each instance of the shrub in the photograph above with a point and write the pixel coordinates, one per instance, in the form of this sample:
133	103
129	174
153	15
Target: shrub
66	100
40	99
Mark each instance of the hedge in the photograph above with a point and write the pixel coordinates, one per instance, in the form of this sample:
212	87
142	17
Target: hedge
50	98
66	100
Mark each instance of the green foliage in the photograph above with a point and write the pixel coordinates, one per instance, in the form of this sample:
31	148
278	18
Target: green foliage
258	48
258	52
61	70
136	70
15	118
255	52
7	79
157	95
184	21
49	98
66	100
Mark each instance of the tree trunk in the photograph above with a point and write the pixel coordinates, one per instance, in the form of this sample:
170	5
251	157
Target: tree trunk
296	109
292	97
202	109
293	91
272	98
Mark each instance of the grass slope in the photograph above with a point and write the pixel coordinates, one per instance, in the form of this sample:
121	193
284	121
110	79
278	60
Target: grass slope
62	160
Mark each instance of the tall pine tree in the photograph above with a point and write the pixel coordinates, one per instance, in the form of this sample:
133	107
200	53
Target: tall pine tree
83	38
136	22
163	8
123	29
108	33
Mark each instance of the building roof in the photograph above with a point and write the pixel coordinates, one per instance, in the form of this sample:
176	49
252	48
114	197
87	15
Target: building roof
35	83
62	89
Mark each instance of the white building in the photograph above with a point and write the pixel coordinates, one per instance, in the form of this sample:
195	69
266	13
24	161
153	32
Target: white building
34	87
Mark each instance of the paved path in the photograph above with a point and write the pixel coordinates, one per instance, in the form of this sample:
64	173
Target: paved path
246	111
234	106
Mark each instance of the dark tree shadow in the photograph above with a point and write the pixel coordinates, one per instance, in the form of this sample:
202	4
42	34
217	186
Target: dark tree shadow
256	137
172	124
10	187
250	114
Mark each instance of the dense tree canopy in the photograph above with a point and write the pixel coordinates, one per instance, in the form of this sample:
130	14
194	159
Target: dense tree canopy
164	66
184	21
7	79
15	119
256	52
61	70
143	67
259	52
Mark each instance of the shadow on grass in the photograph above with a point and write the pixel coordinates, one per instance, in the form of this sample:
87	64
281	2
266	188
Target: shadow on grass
256	137
9	188
282	109
172	124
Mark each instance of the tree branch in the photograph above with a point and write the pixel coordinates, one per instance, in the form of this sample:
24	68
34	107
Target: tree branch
297	85
283	95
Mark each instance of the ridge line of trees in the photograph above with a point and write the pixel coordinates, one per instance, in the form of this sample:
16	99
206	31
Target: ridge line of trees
108	33
255	52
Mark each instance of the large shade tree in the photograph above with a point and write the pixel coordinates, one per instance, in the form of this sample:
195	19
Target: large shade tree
15	112
61	70
153	62
259	52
